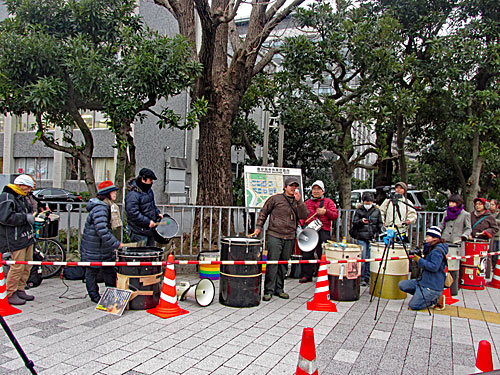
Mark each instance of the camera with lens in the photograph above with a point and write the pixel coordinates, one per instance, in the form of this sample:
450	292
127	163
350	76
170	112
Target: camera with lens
415	251
393	196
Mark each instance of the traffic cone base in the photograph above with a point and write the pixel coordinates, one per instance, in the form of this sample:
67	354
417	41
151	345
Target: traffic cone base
448	299
307	355
495	280
484	360
168	307
5	308
321	300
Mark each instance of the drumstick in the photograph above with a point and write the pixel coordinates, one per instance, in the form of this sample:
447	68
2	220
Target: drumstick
309	219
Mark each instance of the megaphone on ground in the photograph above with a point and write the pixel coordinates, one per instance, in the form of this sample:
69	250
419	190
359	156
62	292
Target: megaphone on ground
307	239
203	291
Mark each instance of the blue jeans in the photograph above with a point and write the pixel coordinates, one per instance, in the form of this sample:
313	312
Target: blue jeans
419	301
365	254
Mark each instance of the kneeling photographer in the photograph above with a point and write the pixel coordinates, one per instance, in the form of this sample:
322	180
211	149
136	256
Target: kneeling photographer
427	289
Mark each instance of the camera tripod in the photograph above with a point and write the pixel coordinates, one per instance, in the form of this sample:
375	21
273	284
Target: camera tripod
29	364
389	240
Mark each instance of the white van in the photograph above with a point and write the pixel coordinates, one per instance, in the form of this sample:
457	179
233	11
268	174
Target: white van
357	194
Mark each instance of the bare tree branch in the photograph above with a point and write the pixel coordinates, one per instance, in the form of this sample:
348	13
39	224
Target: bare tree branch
266	59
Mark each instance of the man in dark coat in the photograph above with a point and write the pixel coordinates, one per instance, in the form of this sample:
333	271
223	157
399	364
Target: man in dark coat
17	236
284	211
140	207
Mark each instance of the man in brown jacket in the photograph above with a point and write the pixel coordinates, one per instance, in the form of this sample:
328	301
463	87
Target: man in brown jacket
284	211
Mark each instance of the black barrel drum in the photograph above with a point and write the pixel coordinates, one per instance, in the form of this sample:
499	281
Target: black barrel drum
141	278
240	285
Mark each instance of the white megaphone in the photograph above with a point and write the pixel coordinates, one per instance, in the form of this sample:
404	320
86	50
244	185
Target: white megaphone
307	239
203	292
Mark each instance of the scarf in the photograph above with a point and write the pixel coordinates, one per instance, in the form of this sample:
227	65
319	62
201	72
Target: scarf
144	187
453	212
317	199
17	190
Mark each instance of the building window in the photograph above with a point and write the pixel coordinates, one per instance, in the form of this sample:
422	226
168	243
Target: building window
104	169
2	123
27	123
95	120
40	168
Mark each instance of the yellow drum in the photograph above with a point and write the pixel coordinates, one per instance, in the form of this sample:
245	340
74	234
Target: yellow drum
343	278
396	271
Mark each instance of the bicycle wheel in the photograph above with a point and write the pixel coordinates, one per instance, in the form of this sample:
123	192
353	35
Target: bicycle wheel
51	251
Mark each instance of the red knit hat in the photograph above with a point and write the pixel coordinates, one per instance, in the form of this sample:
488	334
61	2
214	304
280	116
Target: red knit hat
481	200
106	187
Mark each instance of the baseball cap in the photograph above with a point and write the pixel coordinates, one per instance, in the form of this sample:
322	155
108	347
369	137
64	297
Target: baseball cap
147	173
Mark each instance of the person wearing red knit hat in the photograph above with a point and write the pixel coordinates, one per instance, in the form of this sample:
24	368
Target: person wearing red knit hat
483	223
98	242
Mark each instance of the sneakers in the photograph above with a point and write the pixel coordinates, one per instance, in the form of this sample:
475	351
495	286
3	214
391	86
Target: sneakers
364	283
305	280
440	305
14	299
282	295
266	297
23	295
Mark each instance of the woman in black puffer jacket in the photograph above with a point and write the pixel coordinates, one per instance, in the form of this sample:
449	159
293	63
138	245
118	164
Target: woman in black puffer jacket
98	243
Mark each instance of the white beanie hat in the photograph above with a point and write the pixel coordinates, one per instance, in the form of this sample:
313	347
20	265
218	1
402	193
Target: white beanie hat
319	183
434	232
24	179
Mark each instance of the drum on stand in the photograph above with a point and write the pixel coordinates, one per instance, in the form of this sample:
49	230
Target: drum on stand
165	230
240	285
396	271
343	278
472	275
209	271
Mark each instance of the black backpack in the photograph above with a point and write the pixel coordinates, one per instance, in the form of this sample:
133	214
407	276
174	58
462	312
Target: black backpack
35	277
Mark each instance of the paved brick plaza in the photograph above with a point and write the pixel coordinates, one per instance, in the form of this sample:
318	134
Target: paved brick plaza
66	336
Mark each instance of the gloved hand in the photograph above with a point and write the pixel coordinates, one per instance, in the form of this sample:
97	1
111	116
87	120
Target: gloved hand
416	258
30	218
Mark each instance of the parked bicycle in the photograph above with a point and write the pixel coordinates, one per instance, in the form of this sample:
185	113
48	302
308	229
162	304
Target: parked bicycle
47	248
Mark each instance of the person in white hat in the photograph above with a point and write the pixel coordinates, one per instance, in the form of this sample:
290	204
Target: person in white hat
17	235
324	210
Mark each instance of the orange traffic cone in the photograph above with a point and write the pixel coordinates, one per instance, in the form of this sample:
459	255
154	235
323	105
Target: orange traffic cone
5	307
448	299
307	356
495	281
168	307
484	361
321	300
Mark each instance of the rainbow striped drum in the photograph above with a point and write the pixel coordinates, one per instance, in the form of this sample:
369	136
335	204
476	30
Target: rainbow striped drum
209	271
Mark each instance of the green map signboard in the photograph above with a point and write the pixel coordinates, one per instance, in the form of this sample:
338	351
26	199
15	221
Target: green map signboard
262	182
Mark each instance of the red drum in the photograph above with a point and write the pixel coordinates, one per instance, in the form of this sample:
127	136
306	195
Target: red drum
473	269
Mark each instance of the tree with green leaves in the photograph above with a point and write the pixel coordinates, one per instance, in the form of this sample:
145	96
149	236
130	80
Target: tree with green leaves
230	62
330	74
59	58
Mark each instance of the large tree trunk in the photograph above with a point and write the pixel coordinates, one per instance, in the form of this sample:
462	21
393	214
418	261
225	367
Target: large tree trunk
385	165
473	187
343	174
400	142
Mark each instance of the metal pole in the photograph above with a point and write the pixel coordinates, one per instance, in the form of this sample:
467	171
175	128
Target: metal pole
281	140
265	147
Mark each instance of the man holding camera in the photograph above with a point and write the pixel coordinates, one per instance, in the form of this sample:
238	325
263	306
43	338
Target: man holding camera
428	288
396	212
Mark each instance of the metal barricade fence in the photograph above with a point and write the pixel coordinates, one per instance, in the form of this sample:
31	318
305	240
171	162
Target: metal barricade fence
201	228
